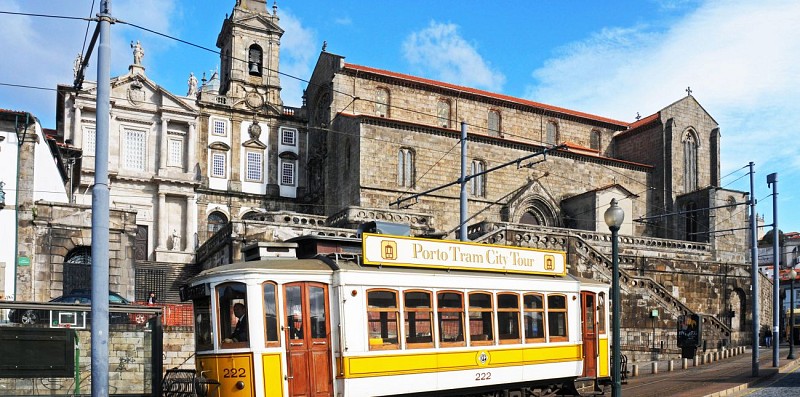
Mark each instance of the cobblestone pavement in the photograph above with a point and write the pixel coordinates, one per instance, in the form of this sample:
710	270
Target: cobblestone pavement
785	384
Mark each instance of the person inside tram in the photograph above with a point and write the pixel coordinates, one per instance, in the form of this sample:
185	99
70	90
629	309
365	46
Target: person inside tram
239	333
296	325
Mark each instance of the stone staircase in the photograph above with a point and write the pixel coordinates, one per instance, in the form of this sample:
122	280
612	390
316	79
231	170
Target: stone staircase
588	259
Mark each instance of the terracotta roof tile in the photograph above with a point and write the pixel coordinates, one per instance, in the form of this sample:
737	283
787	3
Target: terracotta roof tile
486	94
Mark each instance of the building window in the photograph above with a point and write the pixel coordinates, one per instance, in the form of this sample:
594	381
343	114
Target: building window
382	320
382	102
89	141
255	165
533	306
508	318
595	140
134	150
481	315
218	165
552	133
690	162
254	60
270	314
216	220
175	156
220	128
494	123
405	168
418	319
477	184
288	172
443	113
557	317
450	318
288	137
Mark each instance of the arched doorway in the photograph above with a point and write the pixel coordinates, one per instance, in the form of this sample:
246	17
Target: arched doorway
78	269
537	212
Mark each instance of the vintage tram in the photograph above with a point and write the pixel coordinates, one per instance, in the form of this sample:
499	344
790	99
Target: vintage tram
398	316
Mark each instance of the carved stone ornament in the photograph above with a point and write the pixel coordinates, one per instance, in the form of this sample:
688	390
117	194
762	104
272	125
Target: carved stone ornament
136	94
254	130
254	100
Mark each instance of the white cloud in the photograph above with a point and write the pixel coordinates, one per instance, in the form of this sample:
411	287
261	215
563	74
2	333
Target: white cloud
739	57
298	50
440	51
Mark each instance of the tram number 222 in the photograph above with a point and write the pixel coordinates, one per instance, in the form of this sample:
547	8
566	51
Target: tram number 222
479	376
233	373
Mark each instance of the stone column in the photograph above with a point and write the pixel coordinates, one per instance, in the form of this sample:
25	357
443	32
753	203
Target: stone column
162	221
162	163
191	147
190	226
77	131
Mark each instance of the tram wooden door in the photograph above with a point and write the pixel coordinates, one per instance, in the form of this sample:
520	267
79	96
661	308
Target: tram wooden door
589	332
308	334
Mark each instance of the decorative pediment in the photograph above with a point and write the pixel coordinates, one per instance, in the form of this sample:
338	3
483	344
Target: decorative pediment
219	146
255	144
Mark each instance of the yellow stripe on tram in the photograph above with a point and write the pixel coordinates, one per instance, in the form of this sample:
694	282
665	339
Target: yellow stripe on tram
401	364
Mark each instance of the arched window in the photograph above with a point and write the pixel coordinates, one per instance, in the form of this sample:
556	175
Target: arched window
216	220
270	314
690	161
405	167
382	102
552	133
450	318
443	113
254	60
477	184
533	306
78	269
418	319
233	315
481	319
595	140
253	216
494	123
383	319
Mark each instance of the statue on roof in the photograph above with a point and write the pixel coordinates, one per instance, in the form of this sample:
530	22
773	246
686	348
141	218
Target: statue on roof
138	53
76	67
192	85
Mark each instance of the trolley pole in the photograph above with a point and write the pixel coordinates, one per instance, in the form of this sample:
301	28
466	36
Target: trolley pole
772	180
754	270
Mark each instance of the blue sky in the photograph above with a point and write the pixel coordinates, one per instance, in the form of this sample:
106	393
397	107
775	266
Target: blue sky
611	58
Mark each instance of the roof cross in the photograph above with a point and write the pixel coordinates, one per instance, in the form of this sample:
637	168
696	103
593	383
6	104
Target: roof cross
688	90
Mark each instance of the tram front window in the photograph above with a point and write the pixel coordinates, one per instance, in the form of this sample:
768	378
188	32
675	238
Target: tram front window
233	317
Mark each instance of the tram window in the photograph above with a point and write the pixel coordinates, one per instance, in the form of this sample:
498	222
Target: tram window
316	301
418	319
232	306
203	335
601	312
450	313
534	317
481	316
294	314
508	317
557	317
270	315
382	315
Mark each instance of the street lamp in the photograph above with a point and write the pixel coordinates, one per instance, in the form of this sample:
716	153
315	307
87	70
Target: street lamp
614	216
792	275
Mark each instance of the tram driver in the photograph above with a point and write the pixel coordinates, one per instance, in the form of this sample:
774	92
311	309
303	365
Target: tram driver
239	333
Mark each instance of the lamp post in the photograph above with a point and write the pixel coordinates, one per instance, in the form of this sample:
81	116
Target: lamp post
792	275
614	216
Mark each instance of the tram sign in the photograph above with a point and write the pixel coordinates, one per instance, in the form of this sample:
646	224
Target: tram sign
444	254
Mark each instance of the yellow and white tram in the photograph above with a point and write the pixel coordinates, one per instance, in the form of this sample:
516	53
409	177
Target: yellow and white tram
406	317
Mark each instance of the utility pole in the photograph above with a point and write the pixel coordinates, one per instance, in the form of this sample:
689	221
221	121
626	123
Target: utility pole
754	271
772	180
463	199
100	209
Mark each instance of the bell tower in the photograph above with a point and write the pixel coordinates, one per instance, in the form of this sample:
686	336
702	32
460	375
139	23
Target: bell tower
249	44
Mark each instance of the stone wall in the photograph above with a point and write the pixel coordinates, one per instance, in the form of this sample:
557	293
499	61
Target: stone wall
129	363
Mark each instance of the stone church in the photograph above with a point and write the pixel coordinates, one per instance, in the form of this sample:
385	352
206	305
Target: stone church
227	164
